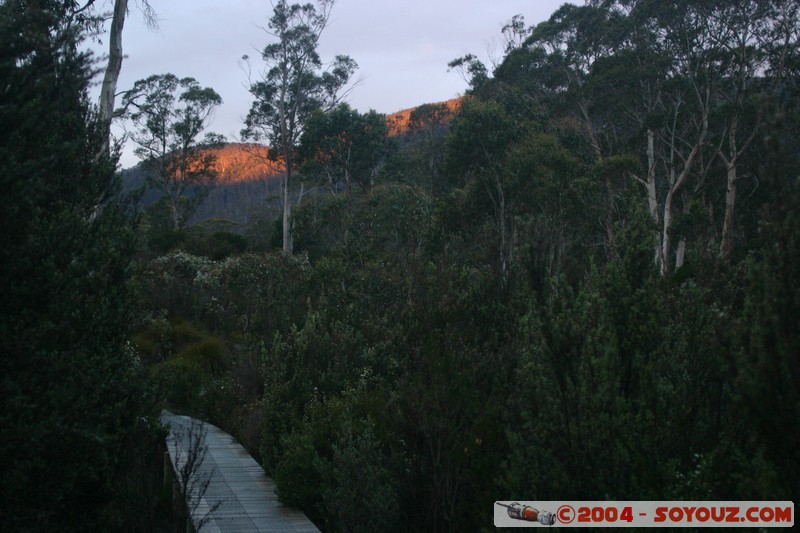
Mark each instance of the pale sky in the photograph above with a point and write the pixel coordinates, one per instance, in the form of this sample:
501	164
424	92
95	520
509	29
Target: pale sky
402	47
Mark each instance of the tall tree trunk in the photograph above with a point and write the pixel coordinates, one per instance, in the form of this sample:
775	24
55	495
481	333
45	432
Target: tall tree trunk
501	201
347	170
665	235
680	254
598	151
287	208
652	198
287	145
676	184
109	87
666	242
176	214
731	166
726	246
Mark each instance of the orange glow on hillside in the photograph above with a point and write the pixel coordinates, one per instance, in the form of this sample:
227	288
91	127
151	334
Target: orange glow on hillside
237	163
398	122
240	163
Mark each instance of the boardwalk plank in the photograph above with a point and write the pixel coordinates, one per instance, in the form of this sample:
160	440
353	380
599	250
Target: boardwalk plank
244	496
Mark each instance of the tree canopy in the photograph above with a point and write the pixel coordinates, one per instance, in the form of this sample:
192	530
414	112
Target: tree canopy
292	85
73	401
169	115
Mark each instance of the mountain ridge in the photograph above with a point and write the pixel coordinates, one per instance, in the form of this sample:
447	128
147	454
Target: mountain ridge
249	182
249	162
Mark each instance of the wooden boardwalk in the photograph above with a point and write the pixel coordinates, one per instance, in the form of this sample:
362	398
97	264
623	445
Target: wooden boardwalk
228	492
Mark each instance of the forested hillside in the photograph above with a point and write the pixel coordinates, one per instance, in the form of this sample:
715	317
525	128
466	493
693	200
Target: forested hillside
245	183
580	282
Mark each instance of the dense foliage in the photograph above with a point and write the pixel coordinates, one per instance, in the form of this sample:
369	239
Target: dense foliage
584	285
558	293
75	414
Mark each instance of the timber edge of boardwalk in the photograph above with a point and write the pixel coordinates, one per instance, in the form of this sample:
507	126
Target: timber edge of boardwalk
227	490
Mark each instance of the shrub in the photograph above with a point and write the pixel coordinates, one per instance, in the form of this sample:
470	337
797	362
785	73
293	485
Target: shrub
178	382
207	354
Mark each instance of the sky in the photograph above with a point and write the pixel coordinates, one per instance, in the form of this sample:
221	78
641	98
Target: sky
402	47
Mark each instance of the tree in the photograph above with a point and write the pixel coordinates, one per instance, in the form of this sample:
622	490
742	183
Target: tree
344	147
86	16
756	37
697	80
471	69
573	40
292	85
109	86
480	139
169	115
429	124
69	396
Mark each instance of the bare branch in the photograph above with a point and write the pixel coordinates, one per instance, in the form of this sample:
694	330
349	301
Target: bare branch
194	476
150	15
637	178
88	5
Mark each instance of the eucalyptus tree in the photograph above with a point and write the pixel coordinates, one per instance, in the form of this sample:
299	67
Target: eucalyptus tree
479	141
691	79
169	115
345	147
683	111
292	85
573	40
87	14
114	66
756	41
699	80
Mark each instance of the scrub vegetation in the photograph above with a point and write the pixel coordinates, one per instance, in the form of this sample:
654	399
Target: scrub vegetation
580	282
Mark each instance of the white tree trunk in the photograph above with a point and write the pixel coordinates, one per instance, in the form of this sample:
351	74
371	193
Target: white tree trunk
109	87
680	254
652	198
665	237
287	209
726	246
287	145
666	242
